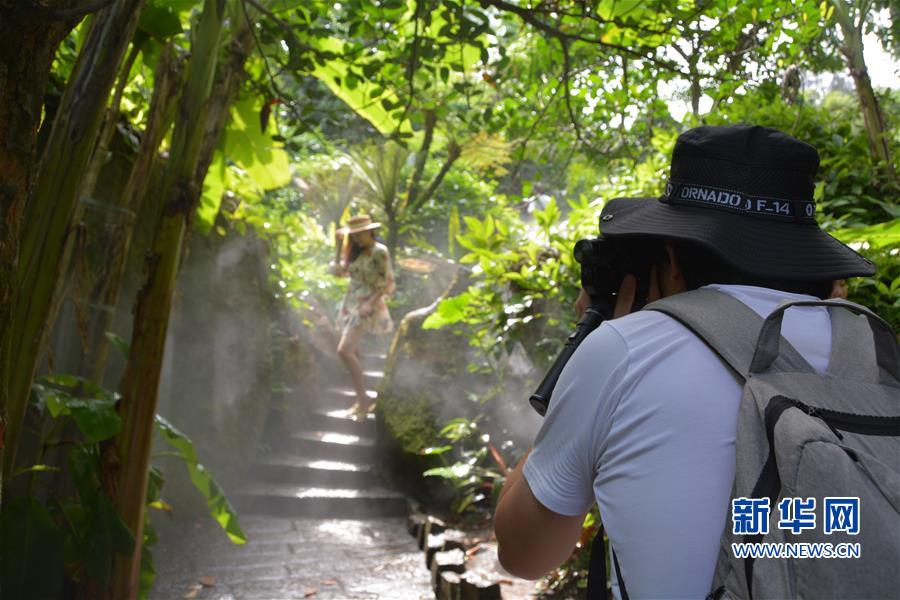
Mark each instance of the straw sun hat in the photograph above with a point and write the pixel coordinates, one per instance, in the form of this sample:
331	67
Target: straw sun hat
357	224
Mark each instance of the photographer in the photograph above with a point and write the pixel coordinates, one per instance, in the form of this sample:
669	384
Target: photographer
643	417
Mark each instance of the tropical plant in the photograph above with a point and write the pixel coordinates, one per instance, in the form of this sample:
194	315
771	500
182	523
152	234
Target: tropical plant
66	532
472	466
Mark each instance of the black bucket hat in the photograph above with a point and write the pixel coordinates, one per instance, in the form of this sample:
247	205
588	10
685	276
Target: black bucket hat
745	193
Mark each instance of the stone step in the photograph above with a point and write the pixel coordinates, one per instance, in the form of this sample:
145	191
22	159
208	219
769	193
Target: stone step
341	398
312	502
340	421
289	469
373	373
320	445
345	395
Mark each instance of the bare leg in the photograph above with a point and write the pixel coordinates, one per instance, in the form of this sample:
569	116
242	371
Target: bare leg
348	349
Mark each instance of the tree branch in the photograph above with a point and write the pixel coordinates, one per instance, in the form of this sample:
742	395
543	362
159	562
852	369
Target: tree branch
528	17
71	14
421	158
411	66
284	25
531	131
453	153
566	94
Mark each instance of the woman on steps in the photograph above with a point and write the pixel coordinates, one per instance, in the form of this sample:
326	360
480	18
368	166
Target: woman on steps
363	309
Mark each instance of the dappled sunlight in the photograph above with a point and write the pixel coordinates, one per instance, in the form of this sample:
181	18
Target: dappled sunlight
329	493
332	465
339	438
344	530
346	413
351	394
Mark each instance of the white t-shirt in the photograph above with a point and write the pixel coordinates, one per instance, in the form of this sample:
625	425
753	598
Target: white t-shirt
643	421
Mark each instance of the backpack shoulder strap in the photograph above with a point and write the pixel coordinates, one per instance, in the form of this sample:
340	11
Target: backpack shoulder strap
886	348
727	326
852	347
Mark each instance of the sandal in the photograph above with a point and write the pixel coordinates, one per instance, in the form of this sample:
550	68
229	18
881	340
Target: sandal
361	414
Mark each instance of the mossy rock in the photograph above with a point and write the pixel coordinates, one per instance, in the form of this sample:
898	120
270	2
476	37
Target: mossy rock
421	390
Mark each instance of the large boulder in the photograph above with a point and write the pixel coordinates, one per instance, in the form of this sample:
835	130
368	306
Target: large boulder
425	377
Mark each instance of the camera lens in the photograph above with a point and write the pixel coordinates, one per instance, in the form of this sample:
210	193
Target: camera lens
583	251
590	251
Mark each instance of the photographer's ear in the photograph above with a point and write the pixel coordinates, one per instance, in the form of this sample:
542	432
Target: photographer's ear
671	278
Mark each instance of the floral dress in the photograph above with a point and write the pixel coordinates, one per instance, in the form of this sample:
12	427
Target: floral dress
369	273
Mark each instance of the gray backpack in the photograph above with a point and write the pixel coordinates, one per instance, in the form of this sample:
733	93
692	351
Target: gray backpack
815	508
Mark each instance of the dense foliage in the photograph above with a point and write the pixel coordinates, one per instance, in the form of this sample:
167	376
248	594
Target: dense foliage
487	133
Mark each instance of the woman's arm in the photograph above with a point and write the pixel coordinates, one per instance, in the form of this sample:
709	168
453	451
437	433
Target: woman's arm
384	284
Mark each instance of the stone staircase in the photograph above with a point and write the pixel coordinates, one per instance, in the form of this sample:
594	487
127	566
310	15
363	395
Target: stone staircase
327	469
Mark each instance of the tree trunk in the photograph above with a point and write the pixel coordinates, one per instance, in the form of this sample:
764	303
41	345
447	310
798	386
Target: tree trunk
48	216
140	383
168	80
27	47
224	94
852	49
111	119
164	99
393	232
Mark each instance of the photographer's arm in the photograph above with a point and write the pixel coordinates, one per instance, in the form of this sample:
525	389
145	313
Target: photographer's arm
532	539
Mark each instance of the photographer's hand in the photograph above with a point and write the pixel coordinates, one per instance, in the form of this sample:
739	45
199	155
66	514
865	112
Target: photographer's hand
625	297
581	303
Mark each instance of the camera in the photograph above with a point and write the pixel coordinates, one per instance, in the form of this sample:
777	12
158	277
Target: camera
604	264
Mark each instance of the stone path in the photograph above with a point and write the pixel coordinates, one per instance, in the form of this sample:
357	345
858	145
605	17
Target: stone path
291	559
318	522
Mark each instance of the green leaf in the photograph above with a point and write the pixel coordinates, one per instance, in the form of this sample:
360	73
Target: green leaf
107	536
123	346
63	380
83	461
247	162
457	429
819	191
457	471
160	22
155	482
450	310
33	469
31	551
434	450
54	403
216	502
876	236
526	189
97	419
213	190
360	99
